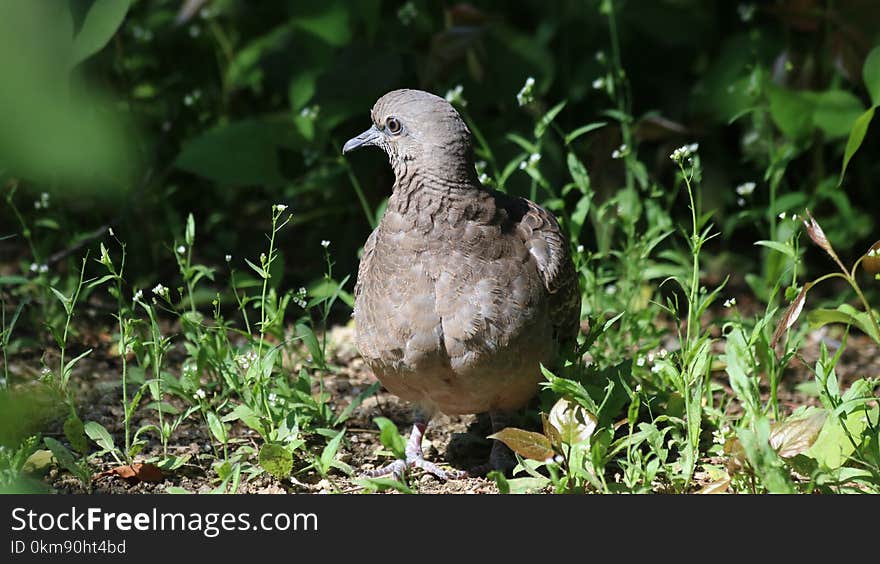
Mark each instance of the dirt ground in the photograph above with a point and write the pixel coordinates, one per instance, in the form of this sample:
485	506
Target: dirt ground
458	441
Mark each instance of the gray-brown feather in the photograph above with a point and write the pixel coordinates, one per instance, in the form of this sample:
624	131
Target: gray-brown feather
461	291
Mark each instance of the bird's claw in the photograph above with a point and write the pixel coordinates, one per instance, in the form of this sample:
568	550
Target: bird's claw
400	466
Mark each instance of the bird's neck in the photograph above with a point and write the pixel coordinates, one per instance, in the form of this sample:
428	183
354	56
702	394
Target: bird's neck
419	188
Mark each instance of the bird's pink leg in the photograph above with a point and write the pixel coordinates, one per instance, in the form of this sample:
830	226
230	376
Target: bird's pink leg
415	458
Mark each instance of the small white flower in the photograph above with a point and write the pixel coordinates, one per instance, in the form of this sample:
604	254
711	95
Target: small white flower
656	368
279	207
599	83
34	267
745	189
44	268
620	152
663	353
640	361
484	178
228	258
746	12
525	96
740	202
325	243
200	394
310	112
611	289
160	290
781	215
110	231
580	248
454	95
138	295
729	303
684	152
181	249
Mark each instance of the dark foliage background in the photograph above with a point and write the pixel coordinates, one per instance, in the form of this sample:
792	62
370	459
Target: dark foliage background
222	108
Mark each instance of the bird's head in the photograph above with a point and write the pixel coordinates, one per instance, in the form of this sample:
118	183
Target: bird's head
419	131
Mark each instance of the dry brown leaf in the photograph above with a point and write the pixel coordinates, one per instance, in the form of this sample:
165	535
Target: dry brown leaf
795	436
871	262
134	473
716	487
791	315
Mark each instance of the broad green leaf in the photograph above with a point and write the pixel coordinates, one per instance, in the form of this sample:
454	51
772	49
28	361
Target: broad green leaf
100	435
766	464
833	446
844	313
330	25
63	456
836	111
238	154
527	444
871	75
101	22
579	173
856	136
390	437
218	429
75	433
276	460
791	111
737	354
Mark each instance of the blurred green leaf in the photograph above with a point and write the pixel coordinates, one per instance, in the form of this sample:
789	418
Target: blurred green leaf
871	75
856	136
791	111
238	154
390	437
101	23
836	111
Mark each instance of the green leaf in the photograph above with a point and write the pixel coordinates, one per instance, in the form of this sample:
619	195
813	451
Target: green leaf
836	111
390	437
382	484
795	435
330	25
276	460
349	409
527	444
547	119
263	274
242	153
311	342
787	250
100	435
584	129
64	457
218	429
871	75
791	111
328	455
844	313
856	136
75	433
65	301
101	22
833	446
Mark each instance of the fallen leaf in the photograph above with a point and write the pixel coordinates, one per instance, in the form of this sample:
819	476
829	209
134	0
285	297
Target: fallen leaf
795	436
716	487
525	443
134	473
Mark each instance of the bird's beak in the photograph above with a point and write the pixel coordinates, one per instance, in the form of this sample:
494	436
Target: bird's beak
368	137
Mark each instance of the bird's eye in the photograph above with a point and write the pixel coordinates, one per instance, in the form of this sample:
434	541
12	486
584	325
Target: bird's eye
392	125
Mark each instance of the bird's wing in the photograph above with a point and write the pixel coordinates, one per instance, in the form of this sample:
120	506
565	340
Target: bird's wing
548	246
366	258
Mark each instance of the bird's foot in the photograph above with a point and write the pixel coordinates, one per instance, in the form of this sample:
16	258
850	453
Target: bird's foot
415	459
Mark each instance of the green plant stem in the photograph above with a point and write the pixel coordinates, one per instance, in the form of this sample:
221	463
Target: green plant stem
365	206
